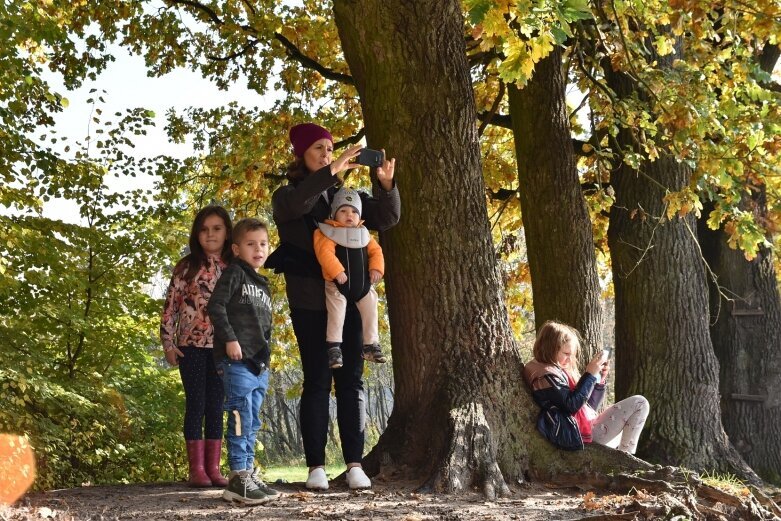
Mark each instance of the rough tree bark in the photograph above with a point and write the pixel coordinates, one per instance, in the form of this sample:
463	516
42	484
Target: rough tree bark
461	415
453	350
746	334
663	347
557	226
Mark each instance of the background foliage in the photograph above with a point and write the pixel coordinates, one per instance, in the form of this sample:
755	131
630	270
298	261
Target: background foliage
82	373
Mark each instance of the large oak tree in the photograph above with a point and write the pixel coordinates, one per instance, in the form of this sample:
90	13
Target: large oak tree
556	222
664	351
746	327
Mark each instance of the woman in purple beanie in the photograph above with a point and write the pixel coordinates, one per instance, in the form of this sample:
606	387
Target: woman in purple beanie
298	207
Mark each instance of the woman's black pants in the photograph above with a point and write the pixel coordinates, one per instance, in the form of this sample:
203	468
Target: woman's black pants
309	327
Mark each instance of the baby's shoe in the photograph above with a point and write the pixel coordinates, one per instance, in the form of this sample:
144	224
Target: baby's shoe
335	356
373	353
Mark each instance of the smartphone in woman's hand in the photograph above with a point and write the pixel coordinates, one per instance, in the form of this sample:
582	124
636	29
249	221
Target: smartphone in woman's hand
371	158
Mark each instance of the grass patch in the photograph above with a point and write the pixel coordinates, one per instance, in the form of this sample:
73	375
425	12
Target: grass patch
726	482
296	473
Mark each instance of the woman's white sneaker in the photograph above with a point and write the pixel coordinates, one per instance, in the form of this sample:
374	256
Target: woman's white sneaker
357	478
317	480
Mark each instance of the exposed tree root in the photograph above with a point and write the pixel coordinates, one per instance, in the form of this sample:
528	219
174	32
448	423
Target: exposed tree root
612	517
471	456
667	492
766	501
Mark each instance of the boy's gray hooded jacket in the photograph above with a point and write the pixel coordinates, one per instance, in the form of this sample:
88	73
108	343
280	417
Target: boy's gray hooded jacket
240	309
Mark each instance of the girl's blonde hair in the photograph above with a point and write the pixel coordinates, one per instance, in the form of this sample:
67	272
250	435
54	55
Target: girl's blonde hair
549	340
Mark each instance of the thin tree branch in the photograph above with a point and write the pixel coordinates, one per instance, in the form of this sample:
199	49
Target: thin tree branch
502	194
244	50
498	214
350	140
637	77
594	81
481	58
208	11
577	147
491	113
296	54
643	250
250	8
772	86
339	144
498	120
504	121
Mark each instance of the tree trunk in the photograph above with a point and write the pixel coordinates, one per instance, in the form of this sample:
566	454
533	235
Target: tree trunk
556	222
746	335
461	414
663	343
453	352
284	419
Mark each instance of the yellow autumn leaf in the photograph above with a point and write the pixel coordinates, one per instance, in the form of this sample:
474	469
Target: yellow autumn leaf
527	67
664	45
494	24
517	65
541	47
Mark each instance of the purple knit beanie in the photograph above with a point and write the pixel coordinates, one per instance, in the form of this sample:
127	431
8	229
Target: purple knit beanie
302	136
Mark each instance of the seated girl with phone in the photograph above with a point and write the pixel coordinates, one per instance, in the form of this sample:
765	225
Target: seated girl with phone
569	401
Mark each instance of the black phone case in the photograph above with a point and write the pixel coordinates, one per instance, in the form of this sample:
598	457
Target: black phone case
370	157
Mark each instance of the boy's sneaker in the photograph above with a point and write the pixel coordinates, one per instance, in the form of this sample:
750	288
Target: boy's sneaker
373	353
335	357
243	489
270	492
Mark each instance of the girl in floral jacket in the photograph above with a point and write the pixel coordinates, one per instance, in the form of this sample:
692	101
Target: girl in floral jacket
187	336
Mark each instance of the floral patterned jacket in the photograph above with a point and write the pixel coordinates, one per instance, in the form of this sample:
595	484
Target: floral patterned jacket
185	321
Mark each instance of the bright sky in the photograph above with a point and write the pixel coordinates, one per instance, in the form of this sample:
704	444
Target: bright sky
127	86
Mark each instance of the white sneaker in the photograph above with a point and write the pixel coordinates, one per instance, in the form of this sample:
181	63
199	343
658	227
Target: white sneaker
357	478
317	480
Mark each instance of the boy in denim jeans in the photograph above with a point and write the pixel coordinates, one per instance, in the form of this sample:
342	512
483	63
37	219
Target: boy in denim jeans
240	310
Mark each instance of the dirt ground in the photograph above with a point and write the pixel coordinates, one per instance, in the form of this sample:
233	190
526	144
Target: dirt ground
396	501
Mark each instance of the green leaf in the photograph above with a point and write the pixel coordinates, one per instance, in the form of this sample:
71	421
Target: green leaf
574	10
559	35
477	10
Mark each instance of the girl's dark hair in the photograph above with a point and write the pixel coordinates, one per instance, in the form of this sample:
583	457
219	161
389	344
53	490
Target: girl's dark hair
297	170
190	264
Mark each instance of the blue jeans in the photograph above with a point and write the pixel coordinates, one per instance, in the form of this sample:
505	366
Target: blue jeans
244	393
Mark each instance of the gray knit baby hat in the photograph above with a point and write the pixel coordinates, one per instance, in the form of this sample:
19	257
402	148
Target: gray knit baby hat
346	196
